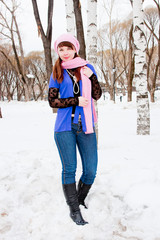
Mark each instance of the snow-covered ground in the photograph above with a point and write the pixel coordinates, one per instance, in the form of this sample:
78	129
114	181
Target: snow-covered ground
124	202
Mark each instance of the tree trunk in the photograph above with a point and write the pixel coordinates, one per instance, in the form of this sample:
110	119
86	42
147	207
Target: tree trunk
152	89
79	28
92	31
0	89
152	95
48	57
131	65
46	38
70	17
0	113
111	92
143	112
92	40
20	44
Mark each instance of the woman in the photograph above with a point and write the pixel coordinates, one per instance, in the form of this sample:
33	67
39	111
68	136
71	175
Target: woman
75	80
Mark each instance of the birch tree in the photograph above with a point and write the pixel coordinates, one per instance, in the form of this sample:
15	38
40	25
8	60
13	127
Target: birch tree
70	17
143	113
75	23
91	43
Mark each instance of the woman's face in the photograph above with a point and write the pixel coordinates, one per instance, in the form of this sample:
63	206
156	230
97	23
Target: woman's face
66	53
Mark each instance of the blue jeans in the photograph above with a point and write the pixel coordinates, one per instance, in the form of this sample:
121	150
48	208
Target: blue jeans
87	145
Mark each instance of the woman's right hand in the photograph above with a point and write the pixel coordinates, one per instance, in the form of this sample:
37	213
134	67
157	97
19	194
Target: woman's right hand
83	101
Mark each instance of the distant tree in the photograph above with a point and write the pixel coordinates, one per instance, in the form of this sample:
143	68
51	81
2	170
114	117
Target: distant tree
109	39
143	112
158	38
152	22
46	38
10	30
8	76
35	63
114	48
109	10
124	58
11	85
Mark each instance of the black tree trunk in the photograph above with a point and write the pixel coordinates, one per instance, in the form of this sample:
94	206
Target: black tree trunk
79	28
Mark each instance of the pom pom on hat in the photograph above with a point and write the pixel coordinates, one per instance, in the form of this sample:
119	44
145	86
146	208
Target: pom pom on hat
67	37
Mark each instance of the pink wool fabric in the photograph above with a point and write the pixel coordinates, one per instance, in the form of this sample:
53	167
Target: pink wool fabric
66	38
86	91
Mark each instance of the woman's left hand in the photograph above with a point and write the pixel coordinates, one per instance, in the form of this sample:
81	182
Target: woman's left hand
87	71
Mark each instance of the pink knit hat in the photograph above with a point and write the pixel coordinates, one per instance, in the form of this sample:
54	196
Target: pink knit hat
66	38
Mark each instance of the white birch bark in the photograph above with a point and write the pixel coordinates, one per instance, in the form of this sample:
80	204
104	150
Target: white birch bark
143	112
70	17
91	43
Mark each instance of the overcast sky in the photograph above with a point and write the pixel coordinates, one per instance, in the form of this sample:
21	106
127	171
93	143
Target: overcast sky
31	41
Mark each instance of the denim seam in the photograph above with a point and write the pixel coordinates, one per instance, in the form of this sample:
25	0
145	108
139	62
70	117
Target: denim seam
82	160
62	159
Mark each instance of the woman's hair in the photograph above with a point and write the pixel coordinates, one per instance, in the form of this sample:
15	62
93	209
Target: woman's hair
58	70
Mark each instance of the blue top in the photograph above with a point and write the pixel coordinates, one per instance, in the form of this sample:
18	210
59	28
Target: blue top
63	120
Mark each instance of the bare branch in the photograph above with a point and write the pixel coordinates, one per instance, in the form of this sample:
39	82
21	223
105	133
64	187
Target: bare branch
20	41
4	19
5	35
38	20
151	30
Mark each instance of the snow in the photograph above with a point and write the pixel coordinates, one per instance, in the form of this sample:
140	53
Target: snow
124	202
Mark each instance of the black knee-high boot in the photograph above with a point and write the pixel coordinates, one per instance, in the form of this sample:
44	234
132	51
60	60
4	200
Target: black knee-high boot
83	190
70	194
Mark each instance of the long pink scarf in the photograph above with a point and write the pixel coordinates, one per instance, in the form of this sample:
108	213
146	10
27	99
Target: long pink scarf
86	91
